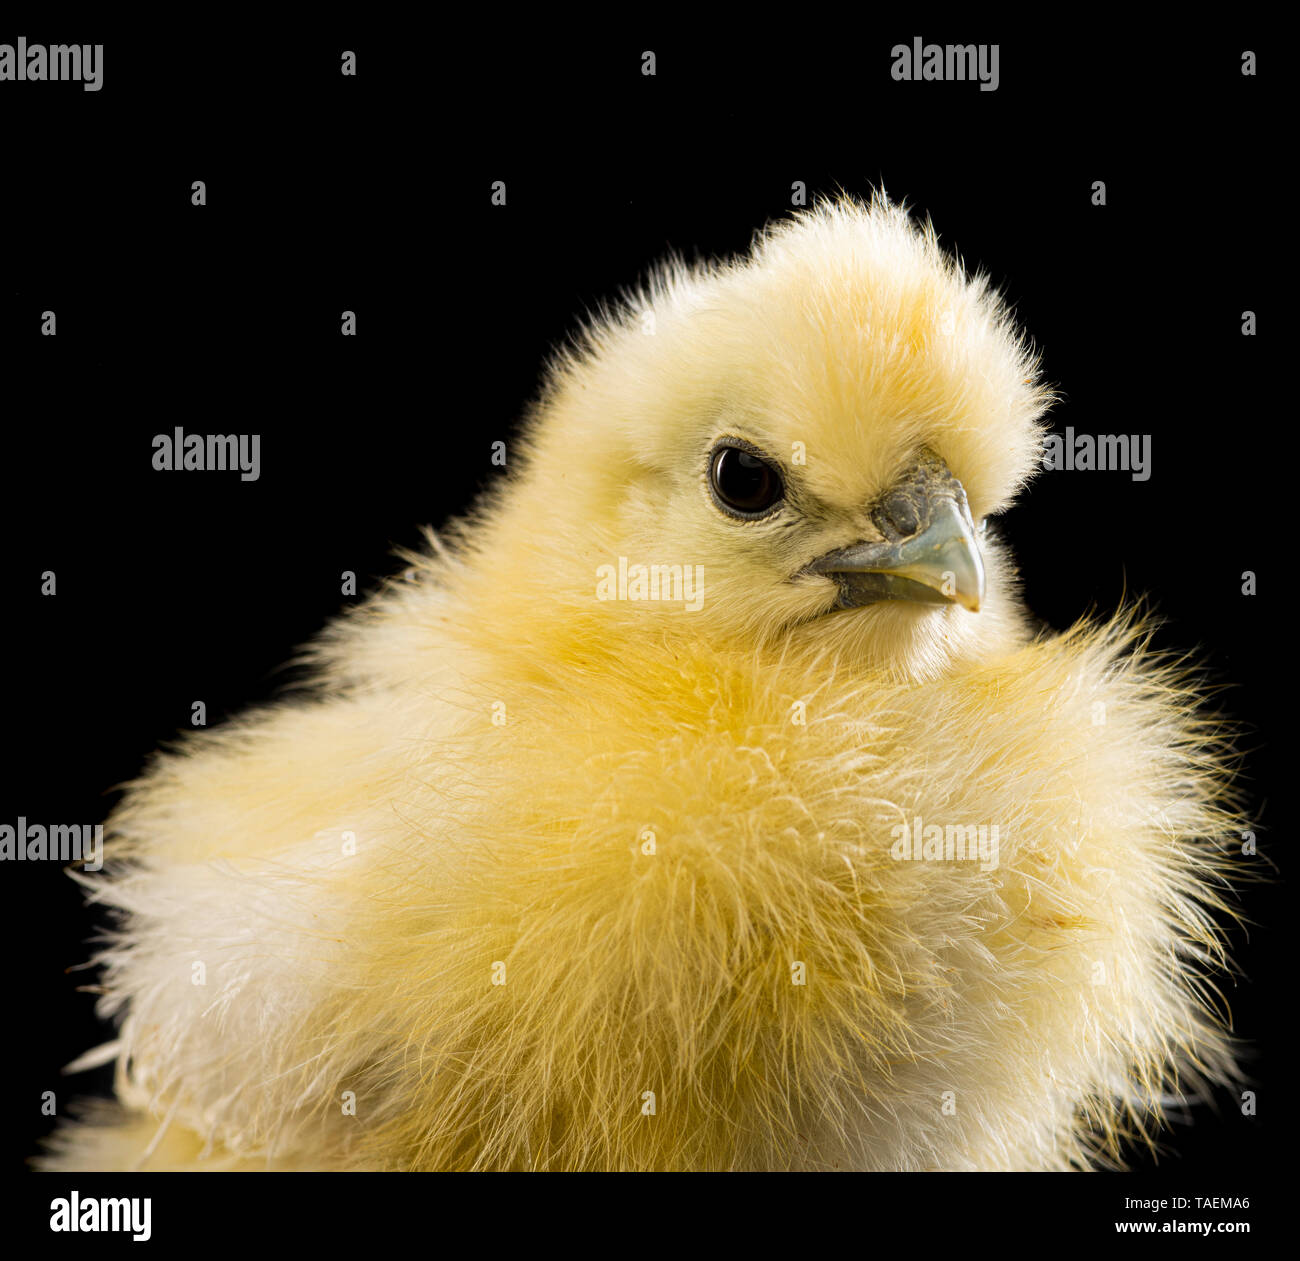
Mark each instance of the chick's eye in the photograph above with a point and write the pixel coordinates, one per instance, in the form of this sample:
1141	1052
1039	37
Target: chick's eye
744	484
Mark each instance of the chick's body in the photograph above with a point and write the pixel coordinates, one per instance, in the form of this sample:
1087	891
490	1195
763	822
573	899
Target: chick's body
541	879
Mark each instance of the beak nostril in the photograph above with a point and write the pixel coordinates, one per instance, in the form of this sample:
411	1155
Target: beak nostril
897	514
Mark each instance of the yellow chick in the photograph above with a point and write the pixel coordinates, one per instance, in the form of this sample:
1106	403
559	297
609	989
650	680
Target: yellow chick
705	800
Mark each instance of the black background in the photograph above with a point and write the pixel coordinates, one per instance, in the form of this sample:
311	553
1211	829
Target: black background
372	194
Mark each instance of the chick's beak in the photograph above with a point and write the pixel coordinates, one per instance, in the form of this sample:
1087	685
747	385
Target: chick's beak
928	553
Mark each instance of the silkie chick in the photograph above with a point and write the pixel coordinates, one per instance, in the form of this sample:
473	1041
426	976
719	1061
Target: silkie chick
706	800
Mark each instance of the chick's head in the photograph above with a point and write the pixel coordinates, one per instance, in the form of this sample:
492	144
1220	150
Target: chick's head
814	434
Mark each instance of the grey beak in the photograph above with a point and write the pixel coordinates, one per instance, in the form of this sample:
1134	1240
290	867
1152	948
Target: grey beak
928	553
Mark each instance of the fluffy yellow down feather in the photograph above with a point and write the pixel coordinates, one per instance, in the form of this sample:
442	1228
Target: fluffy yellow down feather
531	879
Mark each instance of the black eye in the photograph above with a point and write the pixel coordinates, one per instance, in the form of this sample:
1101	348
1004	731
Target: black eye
744	484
